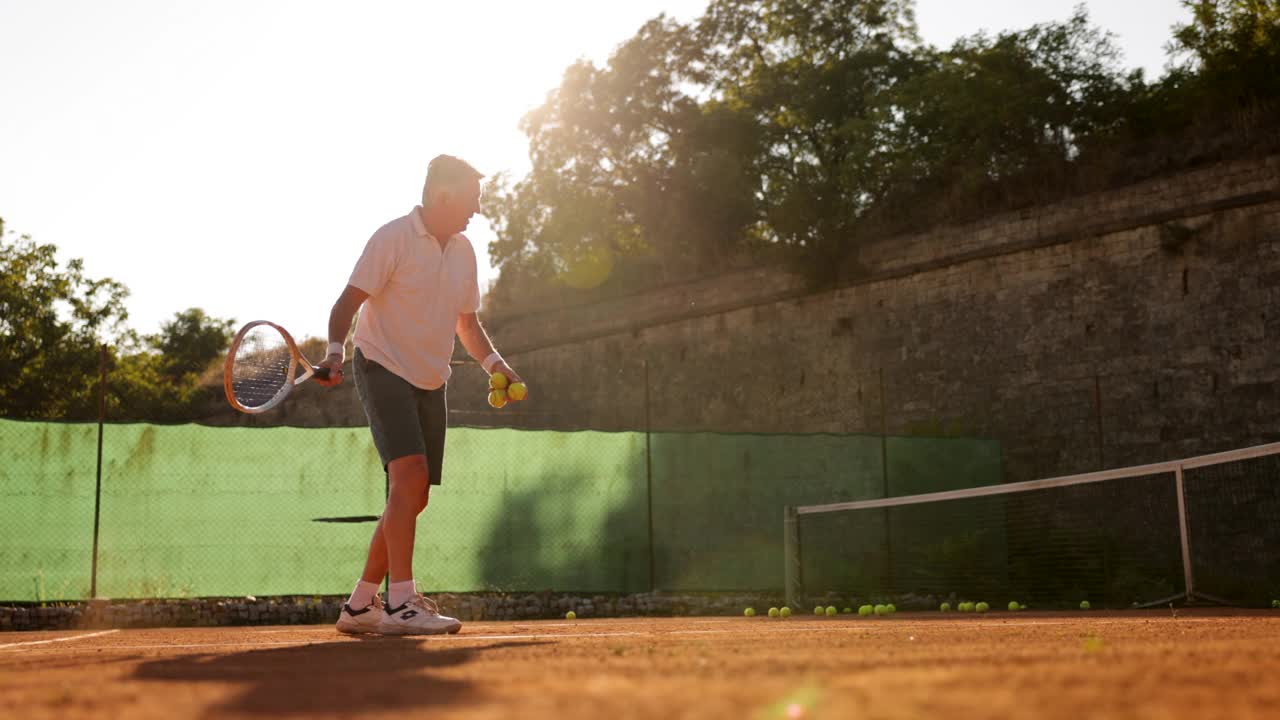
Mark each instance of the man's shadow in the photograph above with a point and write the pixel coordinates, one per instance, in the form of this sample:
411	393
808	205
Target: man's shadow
373	674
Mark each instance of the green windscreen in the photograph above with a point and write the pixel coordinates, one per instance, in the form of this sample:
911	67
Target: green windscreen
193	511
47	475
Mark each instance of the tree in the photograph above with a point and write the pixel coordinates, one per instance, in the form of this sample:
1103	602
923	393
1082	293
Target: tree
995	113
190	342
812	76
1234	48
52	319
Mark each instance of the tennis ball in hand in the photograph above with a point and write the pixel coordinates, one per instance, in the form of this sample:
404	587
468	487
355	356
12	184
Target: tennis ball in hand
773	612
831	611
571	615
517	391
749	612
497	398
498	381
982	607
1084	605
785	612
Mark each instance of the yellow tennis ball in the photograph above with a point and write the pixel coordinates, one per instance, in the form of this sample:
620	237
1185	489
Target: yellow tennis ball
497	398
785	612
749	612
831	611
571	615
517	391
773	612
498	381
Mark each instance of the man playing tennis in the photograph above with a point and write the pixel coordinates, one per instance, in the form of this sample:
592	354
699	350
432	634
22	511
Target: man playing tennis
417	282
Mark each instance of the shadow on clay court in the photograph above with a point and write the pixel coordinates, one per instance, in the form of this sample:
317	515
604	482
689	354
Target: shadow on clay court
375	674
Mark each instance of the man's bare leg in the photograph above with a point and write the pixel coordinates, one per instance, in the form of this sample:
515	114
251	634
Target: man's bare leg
375	566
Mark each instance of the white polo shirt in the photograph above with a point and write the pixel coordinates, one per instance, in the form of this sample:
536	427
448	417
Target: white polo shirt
416	292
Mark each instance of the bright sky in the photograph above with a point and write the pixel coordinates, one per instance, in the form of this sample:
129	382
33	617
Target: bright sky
236	155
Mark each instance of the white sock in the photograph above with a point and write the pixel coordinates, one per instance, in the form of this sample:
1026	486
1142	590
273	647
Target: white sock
362	595
401	592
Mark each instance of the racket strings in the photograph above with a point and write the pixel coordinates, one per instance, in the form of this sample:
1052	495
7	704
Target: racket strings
261	367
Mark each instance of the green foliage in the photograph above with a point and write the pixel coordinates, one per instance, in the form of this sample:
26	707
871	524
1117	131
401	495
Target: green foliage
1234	48
190	342
807	127
1020	106
53	321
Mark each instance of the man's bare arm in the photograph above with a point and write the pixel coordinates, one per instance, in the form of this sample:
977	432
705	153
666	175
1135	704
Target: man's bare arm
340	317
479	346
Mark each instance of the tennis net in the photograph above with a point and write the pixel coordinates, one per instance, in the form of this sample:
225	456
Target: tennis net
1205	528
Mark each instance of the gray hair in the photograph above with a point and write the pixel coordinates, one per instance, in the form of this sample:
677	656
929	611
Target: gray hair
446	172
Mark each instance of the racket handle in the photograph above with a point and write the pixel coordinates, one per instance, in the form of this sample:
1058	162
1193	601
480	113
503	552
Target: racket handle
321	373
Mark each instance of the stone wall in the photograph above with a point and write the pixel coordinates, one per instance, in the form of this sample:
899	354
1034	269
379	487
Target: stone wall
1116	328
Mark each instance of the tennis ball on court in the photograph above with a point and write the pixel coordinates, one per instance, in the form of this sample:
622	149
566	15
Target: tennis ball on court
497	398
749	612
847	611
819	610
1014	606
866	610
944	607
498	381
571	615
966	607
982	607
785	612
831	611
773	612
890	609
1275	603
1084	605
517	391
881	609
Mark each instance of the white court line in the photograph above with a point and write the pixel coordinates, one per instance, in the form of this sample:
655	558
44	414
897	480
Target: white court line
56	640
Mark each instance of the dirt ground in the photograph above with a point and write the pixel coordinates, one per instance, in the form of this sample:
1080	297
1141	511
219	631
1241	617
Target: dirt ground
1195	664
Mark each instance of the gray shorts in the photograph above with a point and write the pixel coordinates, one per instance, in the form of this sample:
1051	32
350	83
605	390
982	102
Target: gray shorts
405	420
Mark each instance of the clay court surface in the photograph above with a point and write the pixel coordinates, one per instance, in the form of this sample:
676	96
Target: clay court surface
1149	664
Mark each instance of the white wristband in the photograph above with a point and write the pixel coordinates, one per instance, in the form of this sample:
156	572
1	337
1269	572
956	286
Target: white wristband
493	359
335	349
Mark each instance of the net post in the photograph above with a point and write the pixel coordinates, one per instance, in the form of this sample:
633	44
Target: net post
791	555
1183	533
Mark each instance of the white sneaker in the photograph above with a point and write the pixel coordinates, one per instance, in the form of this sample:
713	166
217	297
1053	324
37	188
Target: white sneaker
418	616
365	620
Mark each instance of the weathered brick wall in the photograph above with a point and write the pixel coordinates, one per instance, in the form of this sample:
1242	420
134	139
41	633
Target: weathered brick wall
1116	328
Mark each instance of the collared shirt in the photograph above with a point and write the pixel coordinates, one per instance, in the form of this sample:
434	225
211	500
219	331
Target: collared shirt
416	292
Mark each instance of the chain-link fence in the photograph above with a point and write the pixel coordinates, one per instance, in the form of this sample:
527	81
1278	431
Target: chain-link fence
198	511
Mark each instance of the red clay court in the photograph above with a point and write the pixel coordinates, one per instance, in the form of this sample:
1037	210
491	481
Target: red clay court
1134	664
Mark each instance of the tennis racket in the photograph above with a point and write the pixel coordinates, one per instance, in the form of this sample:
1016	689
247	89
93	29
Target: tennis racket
262	367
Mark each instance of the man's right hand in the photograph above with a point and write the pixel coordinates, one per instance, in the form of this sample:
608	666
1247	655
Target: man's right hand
334	364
